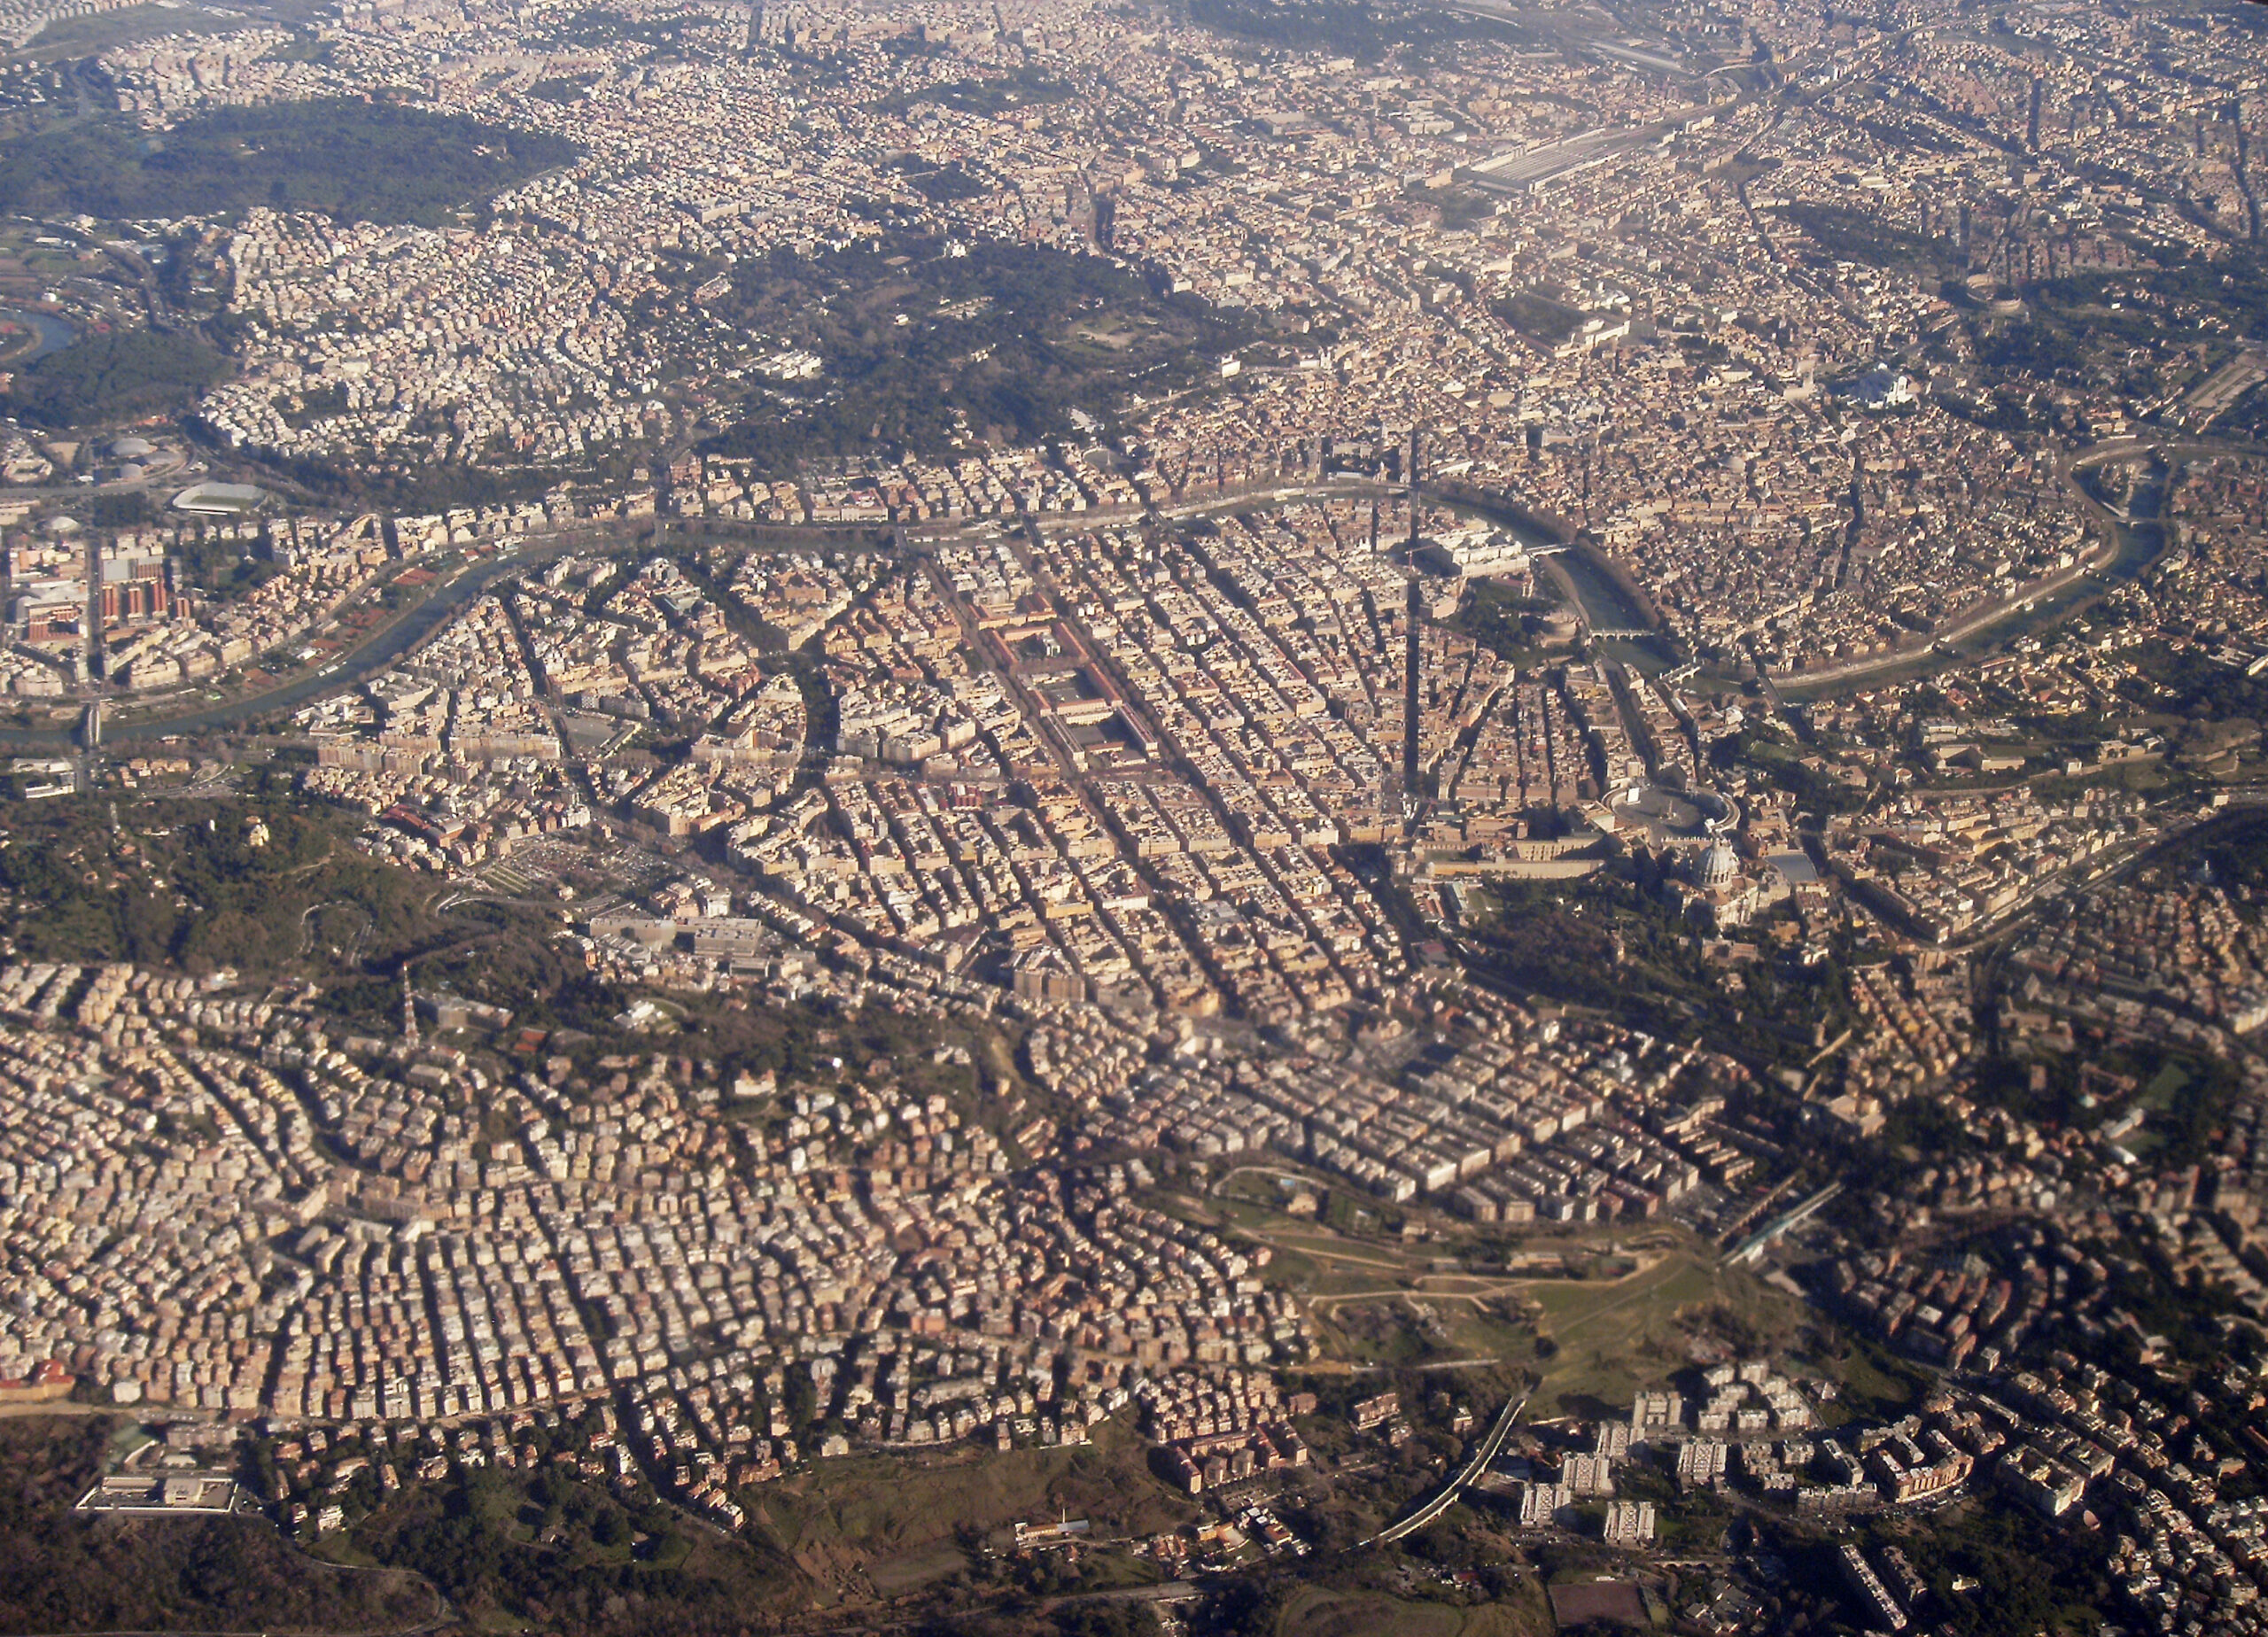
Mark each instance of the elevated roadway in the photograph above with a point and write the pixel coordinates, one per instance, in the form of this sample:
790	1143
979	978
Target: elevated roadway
1489	1447
1748	1249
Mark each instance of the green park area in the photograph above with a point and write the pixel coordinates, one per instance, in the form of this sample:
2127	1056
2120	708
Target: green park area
888	1523
1320	1611
120	373
61	1570
929	344
1597	1314
370	161
90	35
504	1548
1611	1337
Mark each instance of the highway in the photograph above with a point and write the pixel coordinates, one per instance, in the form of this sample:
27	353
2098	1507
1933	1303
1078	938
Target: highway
462	584
1748	1249
472	578
1486	1451
467	582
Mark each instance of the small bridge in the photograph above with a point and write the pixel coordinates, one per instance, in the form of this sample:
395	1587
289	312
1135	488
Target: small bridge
1752	1247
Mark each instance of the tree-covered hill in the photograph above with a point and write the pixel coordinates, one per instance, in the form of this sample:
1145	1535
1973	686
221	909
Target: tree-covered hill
369	161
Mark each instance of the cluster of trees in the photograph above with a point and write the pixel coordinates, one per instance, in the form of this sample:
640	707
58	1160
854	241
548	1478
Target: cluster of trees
2071	323
1021	90
1502	621
1539	317
60	1571
221	567
565	90
199	897
370	161
1367	33
2036	1577
663	36
114	376
1013	368
2203	691
438	485
1023	1616
113	509
946	183
1845	233
2234	285
1616	932
563	1552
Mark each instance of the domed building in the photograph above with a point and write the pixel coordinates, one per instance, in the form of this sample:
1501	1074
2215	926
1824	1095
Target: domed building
1717	867
1716	888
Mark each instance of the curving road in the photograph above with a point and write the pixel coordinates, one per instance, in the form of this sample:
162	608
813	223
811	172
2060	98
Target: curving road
472	579
1483	1453
446	599
468	581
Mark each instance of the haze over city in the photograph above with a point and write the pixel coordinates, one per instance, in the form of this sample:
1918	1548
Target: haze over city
1070	817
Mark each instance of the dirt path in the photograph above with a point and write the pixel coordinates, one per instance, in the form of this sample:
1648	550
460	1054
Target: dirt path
1486	1289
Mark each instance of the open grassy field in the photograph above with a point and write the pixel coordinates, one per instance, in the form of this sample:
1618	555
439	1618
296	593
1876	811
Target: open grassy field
88	36
1652	1290
1614	1337
1876	1383
908	1571
1318	1612
899	1521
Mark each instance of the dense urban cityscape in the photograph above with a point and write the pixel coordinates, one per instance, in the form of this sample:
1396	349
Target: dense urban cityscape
1074	816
